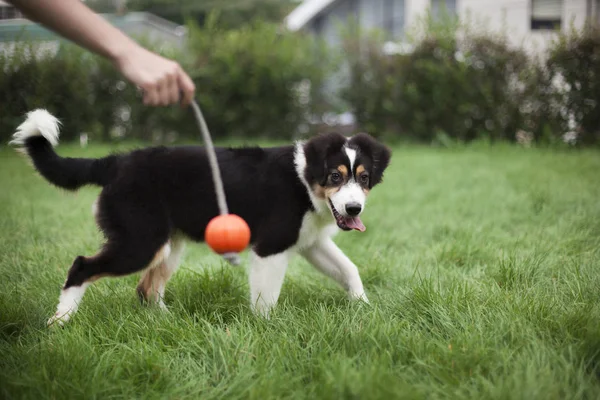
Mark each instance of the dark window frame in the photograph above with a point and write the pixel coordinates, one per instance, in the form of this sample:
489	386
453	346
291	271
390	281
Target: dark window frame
544	24
436	6
388	16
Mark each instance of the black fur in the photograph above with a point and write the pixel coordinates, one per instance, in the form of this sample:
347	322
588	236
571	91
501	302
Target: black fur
153	193
325	152
318	152
68	173
373	155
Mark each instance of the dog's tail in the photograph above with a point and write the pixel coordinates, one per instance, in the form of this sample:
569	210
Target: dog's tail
37	137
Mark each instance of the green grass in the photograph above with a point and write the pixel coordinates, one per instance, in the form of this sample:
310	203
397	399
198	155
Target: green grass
482	265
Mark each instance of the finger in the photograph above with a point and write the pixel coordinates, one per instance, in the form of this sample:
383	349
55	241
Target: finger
164	93
186	85
173	90
151	96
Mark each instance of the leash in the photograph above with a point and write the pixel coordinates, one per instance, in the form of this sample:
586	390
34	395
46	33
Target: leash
232	258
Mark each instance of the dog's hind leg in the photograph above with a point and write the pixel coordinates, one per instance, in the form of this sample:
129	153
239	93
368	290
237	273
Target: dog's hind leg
154	279
137	238
114	260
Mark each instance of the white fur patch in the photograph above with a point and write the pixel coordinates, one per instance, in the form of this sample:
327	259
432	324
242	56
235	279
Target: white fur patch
315	227
326	256
68	303
314	224
300	164
161	255
38	123
349	193
95	207
351	156
266	278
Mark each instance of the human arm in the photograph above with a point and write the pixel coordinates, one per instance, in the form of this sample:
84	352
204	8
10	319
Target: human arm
161	79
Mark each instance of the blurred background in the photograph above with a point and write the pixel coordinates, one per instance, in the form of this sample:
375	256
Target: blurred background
428	71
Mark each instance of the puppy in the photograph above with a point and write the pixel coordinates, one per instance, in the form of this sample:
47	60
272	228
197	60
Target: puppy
294	199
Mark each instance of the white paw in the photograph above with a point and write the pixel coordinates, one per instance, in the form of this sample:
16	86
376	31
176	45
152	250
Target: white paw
163	307
262	310
59	319
359	296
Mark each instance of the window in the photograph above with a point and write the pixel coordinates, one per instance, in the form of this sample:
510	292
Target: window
441	7
393	17
317	25
546	14
8	12
388	15
353	9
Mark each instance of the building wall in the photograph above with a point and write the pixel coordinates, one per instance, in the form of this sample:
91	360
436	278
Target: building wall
510	17
415	9
156	35
513	18
336	18
370	14
575	10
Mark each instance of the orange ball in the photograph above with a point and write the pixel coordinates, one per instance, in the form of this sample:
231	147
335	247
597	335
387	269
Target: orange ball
227	234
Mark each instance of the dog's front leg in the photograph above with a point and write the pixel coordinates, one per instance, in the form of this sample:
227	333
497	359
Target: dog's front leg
266	278
327	257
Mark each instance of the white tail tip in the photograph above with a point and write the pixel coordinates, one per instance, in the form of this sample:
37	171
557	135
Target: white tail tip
38	123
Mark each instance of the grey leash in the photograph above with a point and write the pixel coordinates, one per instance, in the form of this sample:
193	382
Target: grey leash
232	258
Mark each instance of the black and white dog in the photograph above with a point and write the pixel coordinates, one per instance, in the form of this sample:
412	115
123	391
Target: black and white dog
294	198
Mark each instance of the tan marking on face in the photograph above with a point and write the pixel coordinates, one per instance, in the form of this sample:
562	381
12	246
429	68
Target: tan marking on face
360	169
343	170
331	191
366	192
319	191
324	193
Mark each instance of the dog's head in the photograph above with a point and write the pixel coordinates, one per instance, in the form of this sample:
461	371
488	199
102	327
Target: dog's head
340	172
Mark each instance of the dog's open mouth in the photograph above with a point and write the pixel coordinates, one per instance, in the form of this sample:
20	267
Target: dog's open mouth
347	223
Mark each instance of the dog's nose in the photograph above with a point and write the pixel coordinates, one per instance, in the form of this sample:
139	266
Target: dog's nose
353	209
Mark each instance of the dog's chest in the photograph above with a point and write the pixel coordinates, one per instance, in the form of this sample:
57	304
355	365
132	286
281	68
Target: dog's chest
315	227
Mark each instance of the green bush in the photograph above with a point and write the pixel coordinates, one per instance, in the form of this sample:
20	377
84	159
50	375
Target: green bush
461	86
260	81
247	81
32	78
575	61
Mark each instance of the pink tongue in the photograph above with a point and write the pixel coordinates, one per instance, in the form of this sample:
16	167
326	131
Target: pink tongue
354	223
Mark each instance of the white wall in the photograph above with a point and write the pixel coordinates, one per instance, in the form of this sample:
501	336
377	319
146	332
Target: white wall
576	10
415	9
512	17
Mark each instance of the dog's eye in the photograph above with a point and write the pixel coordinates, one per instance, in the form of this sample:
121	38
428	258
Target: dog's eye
364	179
336	177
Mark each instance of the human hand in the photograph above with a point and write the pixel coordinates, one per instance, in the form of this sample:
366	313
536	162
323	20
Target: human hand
162	80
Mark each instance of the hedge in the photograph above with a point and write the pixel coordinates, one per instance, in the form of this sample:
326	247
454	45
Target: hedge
575	58
248	84
261	81
462	85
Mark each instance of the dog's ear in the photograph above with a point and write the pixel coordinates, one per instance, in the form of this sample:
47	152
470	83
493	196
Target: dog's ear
378	153
316	152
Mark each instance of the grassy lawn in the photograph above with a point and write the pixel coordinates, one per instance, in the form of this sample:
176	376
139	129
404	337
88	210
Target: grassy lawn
482	266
